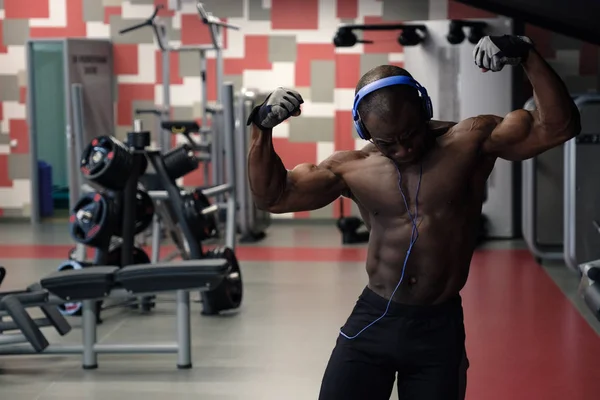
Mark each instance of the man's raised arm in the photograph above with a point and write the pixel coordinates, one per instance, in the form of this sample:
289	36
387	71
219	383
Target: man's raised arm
273	187
524	134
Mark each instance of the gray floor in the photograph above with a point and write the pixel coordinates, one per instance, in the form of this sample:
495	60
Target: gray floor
276	347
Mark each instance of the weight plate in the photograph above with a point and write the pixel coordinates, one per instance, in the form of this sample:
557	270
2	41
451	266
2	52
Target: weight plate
93	219
144	211
228	294
106	161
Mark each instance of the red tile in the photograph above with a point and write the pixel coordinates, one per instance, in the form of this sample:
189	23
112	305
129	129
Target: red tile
174	77
1	111
22	95
196	178
344	126
588	59
256	56
295	14
4	179
20	9
384	41
19	131
3	48
295	153
125	59
458	10
110	10
305	53
165	12
76	26
347	9
194	31
347	70
128	92
542	39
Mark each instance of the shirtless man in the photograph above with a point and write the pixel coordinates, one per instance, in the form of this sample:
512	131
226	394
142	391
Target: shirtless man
419	185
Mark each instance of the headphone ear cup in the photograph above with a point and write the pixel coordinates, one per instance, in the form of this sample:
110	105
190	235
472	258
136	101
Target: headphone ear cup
364	133
427	108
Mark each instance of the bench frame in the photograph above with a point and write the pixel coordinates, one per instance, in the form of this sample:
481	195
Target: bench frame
90	348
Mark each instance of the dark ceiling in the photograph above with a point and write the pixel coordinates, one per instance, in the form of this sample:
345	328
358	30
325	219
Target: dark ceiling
576	18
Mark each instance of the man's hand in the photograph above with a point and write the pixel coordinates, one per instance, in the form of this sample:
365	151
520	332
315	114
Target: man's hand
279	106
494	52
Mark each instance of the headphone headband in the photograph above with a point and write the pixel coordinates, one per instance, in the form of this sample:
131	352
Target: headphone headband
385	82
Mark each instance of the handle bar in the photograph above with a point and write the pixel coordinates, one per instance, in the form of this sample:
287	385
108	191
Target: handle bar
149	21
211	20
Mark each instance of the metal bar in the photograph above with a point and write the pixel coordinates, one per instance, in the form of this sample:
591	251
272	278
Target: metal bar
155	239
88	330
240	144
164	135
217	190
36	213
12	338
167	348
208	192
77	132
204	93
529	201
570	187
184	331
228	136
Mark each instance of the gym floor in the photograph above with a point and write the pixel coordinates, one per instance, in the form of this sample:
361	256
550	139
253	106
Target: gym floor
528	334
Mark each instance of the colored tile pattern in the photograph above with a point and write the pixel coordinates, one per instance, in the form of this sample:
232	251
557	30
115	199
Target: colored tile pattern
282	42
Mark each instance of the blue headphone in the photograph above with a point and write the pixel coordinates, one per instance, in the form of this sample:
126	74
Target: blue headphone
381	83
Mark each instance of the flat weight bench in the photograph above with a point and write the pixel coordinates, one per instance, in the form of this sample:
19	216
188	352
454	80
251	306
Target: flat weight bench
94	283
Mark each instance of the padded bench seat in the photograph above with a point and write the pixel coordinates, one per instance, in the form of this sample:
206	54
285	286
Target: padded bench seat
177	275
81	284
97	282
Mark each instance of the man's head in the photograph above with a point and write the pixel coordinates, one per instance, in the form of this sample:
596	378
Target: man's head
394	116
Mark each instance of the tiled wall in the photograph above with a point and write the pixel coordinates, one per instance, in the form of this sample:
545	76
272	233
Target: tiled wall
281	43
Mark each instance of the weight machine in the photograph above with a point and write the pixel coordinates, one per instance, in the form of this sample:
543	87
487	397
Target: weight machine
164	127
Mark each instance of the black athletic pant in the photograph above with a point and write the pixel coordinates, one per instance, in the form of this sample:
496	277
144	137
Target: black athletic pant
424	345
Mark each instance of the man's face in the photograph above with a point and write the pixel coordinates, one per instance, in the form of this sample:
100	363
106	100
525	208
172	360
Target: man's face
404	139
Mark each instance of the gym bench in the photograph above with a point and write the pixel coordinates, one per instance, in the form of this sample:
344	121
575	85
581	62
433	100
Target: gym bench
95	283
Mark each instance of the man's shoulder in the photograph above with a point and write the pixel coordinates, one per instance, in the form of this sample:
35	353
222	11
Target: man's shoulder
473	129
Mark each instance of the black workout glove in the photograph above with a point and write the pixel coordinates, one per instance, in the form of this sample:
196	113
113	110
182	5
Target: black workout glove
279	106
494	52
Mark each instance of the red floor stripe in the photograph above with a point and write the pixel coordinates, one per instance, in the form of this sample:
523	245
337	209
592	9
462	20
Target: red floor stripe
248	253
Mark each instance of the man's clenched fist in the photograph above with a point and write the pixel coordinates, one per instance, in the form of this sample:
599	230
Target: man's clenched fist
494	52
279	106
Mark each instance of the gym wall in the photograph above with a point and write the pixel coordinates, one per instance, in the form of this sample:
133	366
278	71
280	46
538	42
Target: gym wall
281	43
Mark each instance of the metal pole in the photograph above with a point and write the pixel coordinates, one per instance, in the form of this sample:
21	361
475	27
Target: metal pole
240	141
204	101
165	115
570	191
228	136
88	329
155	238
218	164
184	334
77	132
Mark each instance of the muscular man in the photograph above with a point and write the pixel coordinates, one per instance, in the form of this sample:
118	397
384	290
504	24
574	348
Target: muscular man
419	185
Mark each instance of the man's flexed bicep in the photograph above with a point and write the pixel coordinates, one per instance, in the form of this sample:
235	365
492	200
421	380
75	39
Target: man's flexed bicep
524	134
310	187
